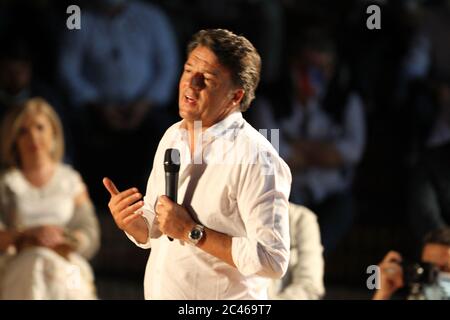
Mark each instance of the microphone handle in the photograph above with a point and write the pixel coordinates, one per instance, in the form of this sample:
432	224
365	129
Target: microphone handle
172	188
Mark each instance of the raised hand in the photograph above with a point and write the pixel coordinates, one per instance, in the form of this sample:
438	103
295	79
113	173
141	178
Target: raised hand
125	208
391	276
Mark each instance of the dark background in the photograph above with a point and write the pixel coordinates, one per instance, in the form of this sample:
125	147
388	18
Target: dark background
374	57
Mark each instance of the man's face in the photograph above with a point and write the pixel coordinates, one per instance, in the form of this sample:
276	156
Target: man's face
313	70
206	91
437	254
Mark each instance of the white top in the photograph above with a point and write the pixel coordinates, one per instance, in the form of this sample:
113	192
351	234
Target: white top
51	204
304	278
245	199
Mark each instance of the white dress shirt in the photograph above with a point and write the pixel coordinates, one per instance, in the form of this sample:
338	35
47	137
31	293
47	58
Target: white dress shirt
243	194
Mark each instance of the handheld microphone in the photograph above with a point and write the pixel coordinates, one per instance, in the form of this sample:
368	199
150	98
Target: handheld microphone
171	168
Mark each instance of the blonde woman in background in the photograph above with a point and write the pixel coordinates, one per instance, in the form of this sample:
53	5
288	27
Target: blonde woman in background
48	226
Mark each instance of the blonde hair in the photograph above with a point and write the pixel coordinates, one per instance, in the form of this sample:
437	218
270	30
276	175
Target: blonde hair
13	122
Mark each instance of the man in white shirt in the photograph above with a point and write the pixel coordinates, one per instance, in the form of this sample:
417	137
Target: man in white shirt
231	233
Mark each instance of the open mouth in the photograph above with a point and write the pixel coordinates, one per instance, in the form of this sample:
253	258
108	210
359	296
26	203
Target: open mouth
190	99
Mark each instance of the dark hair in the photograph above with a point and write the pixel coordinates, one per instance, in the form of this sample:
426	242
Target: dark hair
438	236
235	53
338	88
313	38
15	49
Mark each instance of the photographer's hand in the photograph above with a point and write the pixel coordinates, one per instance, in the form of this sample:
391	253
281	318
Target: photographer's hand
391	276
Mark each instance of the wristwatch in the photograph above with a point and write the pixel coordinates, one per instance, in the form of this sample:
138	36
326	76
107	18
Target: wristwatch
196	234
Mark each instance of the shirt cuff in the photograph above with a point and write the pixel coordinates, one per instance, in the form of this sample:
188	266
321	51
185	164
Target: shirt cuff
147	244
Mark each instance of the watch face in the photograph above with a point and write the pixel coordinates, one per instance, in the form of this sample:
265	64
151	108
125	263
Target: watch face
196	234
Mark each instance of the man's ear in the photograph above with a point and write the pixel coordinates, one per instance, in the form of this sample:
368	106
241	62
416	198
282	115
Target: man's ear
237	96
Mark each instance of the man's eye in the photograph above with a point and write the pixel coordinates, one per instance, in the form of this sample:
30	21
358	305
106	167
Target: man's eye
209	82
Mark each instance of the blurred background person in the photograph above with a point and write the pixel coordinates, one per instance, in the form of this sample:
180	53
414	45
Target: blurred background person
322	133
119	72
428	197
48	226
393	275
18	81
429	191
304	277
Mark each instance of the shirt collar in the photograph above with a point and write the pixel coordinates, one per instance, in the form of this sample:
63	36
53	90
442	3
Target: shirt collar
227	127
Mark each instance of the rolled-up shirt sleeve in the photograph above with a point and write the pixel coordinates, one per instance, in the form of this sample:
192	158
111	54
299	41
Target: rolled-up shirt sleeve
263	203
149	214
147	244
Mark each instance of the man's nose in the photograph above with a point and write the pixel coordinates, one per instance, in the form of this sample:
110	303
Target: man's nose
197	81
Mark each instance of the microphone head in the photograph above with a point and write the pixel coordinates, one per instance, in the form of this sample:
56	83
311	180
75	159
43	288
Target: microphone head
172	160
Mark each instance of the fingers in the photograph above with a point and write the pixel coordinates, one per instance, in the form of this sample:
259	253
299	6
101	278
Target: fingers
163	205
125	198
110	186
394	274
390	267
123	207
132	217
130	210
50	236
165	201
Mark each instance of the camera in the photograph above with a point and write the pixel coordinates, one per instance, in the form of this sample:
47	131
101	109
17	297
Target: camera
424	281
419	273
